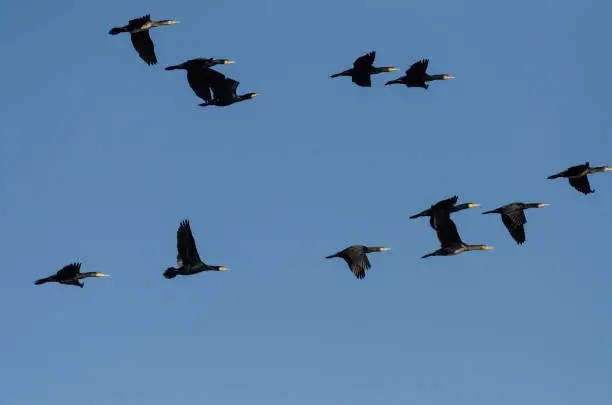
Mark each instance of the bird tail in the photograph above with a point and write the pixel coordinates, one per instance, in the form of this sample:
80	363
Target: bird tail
42	281
392	82
554	176
331	256
336	75
489	212
173	67
117	30
170	273
428	255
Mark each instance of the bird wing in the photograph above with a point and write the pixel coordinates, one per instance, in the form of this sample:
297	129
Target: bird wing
225	90
418	69
199	83
447	231
364	61
515	226
69	271
447	204
581	184
144	46
139	22
187	251
362	79
357	261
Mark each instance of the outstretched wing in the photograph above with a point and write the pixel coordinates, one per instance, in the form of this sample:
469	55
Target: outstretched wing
139	22
144	46
365	61
187	251
357	261
362	79
69	271
440	212
581	184
199	83
418	69
514	223
446	230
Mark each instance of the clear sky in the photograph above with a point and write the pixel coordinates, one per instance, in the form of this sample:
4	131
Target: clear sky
102	156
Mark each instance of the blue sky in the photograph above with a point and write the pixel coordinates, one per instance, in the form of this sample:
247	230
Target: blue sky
102	156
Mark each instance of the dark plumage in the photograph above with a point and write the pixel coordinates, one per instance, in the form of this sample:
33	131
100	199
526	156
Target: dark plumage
188	259
198	77
577	176
141	40
417	76
513	217
450	241
362	69
224	89
355	257
69	275
443	205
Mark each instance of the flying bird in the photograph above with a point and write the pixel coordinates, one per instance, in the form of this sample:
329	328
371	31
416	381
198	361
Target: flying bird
417	76
448	205
362	69
223	89
69	275
139	32
450	241
198	77
577	176
513	217
188	259
356	258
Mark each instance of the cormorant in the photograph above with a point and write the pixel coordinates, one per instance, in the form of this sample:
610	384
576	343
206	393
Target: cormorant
417	75
139	30
198	78
355	257
224	89
363	69
70	275
450	241
443	205
188	260
577	176
513	217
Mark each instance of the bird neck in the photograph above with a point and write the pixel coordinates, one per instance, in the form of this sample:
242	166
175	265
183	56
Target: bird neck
476	247
438	77
599	169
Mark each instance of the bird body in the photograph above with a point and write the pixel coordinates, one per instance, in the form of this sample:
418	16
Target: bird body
577	176
450	241
362	69
356	258
447	205
139	33
69	275
417	76
513	217
188	259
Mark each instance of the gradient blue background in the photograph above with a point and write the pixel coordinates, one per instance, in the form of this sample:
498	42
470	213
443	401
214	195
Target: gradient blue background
102	156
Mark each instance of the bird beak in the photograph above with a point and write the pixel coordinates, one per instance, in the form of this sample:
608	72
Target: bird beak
102	275
174	22
384	249
393	69
607	169
543	205
254	95
227	62
223	268
446	77
487	247
473	205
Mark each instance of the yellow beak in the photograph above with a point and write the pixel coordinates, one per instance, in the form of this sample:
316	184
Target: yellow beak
473	205
486	247
446	77
227	62
543	205
384	249
223	268
102	275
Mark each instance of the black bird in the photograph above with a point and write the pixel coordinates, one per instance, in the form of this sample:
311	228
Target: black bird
69	275
355	257
188	260
363	68
417	75
223	89
577	176
139	30
443	205
513	217
198	77
450	241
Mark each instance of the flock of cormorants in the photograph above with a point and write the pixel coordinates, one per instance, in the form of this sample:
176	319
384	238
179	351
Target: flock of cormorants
203	80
